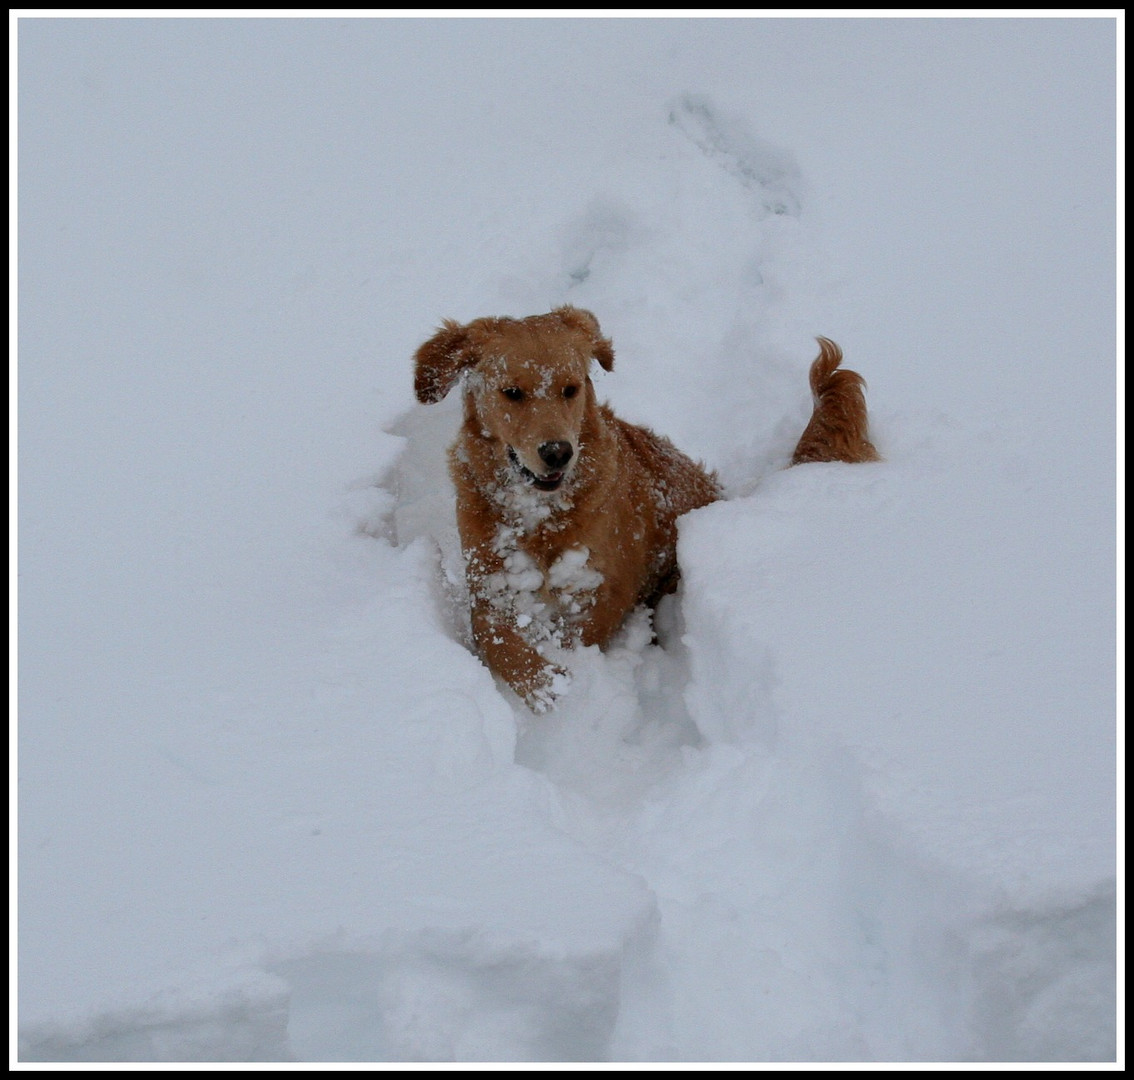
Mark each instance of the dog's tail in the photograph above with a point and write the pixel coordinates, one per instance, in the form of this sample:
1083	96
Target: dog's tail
838	429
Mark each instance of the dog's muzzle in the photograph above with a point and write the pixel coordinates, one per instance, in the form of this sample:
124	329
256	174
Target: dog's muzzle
556	455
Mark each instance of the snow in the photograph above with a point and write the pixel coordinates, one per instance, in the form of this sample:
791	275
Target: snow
860	802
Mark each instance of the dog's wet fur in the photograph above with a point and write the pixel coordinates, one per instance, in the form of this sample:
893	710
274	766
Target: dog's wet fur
568	515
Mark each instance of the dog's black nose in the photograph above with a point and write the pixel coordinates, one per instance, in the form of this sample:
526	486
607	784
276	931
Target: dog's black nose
555	455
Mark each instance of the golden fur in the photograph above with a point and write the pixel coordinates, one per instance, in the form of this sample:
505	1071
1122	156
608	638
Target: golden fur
567	514
838	429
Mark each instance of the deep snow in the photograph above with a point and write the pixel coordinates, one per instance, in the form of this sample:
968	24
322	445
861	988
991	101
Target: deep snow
858	805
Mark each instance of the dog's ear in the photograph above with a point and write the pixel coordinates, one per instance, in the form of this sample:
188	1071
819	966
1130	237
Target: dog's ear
579	319
440	361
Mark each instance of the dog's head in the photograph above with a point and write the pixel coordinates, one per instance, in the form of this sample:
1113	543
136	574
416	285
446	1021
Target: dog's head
527	387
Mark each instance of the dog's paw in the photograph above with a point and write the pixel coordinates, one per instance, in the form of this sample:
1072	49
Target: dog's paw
543	697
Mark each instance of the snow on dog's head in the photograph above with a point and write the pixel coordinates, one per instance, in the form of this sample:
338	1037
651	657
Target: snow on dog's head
527	387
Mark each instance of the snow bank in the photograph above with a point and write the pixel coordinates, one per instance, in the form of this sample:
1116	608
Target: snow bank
983	800
484	926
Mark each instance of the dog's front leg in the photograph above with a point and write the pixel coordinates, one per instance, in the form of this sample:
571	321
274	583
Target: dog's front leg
513	659
613	600
511	615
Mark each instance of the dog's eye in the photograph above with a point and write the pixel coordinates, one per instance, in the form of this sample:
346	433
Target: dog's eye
513	393
570	391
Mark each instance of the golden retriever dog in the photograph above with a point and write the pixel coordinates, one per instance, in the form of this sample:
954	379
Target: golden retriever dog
568	515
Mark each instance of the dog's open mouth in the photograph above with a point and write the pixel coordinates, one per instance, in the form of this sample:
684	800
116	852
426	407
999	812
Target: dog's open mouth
547	482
